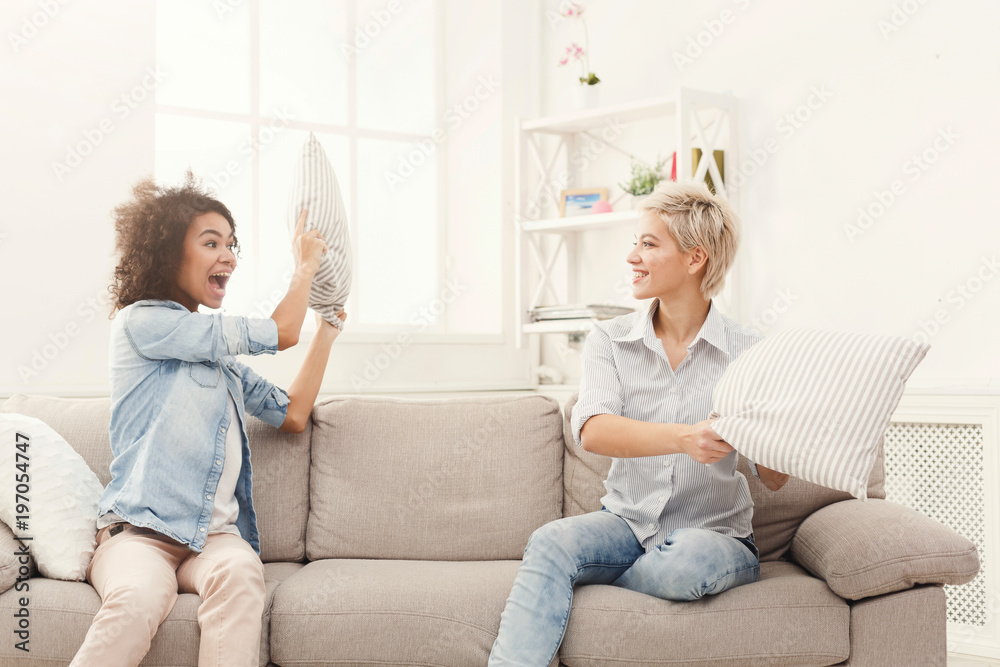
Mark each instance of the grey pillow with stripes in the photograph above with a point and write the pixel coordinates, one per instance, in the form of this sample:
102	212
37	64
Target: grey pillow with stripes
814	404
315	189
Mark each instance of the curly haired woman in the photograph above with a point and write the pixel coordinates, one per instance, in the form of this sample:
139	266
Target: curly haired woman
177	516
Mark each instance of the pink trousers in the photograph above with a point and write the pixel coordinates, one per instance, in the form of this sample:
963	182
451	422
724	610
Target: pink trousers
139	574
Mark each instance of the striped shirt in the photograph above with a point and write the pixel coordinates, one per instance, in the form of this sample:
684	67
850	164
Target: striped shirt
626	372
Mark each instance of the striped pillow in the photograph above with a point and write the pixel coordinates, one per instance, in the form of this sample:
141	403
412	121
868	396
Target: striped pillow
814	404
315	189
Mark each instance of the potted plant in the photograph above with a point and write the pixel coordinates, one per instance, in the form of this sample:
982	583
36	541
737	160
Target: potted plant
644	179
587	93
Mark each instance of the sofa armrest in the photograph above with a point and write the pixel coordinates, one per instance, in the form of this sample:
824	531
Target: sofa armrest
867	548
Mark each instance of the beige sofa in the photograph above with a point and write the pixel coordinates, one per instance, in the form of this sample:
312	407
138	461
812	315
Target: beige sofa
391	531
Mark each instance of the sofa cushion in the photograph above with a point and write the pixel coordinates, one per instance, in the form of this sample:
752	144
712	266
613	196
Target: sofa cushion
786	618
433	479
776	514
275	574
50	494
61	613
390	612
905	628
82	422
11	563
583	472
280	463
863	549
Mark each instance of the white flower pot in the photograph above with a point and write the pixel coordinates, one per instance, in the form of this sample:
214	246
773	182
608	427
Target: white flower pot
586	97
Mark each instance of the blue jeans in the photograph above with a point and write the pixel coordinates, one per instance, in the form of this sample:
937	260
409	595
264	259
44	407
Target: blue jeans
600	548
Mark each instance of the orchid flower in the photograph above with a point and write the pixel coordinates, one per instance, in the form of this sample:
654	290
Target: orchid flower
575	51
570	9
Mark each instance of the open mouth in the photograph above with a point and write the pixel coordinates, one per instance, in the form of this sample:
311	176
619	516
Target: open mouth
638	275
217	281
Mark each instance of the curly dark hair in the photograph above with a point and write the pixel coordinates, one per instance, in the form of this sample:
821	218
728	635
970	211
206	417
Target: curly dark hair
149	237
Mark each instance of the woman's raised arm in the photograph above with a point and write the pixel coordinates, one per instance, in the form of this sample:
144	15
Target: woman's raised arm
307	248
305	387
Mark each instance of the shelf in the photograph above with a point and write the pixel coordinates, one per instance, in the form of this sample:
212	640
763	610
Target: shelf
559	326
579	121
548	253
581	222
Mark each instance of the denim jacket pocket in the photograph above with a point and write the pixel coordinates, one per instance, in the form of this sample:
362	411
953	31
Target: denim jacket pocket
205	374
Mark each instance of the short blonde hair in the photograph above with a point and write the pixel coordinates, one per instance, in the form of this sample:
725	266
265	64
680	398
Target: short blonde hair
695	217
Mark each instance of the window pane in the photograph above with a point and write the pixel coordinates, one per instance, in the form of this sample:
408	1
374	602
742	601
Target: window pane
302	68
396	274
204	48
396	75
277	164
214	150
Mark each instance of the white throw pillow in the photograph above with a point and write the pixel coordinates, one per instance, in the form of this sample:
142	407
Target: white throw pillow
815	404
53	491
315	189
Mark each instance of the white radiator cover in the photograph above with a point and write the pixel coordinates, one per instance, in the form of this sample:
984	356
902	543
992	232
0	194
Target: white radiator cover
941	460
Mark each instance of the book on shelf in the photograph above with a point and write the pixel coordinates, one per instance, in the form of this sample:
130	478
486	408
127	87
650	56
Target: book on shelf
577	311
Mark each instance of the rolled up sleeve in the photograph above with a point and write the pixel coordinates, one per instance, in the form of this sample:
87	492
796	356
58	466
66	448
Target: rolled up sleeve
263	399
162	332
600	385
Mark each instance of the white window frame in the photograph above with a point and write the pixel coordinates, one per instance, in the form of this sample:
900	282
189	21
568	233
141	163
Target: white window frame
356	333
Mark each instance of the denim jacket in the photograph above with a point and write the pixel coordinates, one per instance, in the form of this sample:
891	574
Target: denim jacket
170	371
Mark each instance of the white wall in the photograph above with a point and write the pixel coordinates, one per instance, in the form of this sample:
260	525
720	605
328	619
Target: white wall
892	91
56	236
891	95
61	86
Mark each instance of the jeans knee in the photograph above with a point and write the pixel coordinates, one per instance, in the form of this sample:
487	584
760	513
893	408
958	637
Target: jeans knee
693	563
682	588
685	594
545	545
542	538
695	587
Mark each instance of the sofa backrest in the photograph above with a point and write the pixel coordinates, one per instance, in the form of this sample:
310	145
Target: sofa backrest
433	479
280	463
776	514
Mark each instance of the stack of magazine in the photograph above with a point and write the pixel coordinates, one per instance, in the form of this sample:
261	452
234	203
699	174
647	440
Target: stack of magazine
578	312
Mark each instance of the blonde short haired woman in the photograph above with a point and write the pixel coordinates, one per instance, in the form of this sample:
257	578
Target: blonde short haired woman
676	520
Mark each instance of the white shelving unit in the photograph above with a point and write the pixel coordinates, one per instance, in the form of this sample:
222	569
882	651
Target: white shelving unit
699	118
